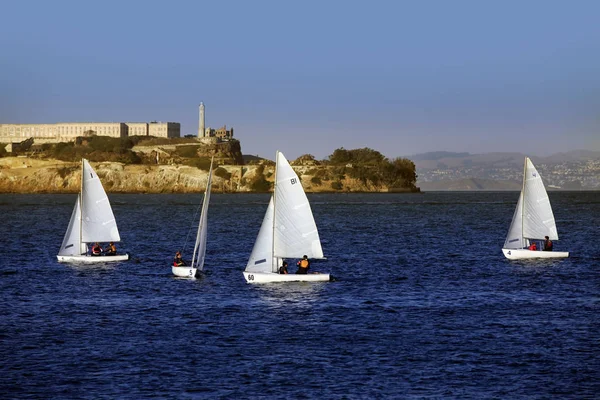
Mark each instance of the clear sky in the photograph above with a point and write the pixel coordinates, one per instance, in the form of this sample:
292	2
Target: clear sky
400	77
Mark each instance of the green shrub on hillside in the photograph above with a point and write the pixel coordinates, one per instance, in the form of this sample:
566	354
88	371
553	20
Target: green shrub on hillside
259	183
190	151
222	173
370	166
200	163
337	185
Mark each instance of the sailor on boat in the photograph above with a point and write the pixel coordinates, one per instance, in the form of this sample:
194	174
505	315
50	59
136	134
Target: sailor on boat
547	244
178	261
96	249
303	265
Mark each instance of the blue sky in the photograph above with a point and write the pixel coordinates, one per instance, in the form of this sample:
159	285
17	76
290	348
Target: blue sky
400	77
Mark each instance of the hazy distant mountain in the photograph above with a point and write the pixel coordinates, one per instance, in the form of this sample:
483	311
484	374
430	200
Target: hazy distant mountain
441	170
436	159
436	155
469	184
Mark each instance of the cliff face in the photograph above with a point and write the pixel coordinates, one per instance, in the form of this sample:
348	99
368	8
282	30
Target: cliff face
28	175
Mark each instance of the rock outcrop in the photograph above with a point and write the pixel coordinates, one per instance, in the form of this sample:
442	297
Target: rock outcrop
30	175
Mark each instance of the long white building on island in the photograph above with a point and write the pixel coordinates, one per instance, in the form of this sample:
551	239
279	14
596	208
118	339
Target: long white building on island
68	131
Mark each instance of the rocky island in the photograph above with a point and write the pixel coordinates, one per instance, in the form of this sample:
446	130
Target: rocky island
160	165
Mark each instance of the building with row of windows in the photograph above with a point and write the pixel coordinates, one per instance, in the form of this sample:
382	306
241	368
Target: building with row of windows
68	131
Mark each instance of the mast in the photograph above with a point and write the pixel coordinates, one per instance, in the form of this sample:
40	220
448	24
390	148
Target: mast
81	208
523	201
274	267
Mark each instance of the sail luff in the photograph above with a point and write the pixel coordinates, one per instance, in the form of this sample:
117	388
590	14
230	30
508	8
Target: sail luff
274	263
81	244
521	200
201	236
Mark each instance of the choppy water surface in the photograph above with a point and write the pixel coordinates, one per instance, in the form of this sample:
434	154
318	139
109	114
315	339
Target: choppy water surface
424	305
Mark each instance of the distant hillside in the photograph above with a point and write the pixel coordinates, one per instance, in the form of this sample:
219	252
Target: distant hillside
574	170
470	184
437	155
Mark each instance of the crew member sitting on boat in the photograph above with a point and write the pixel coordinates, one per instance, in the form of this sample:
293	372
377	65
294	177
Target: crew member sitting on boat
532	246
96	249
547	244
303	265
178	261
283	268
111	250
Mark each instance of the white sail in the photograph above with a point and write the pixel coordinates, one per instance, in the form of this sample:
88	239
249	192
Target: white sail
295	231
98	222
514	239
200	246
538	219
261	258
71	246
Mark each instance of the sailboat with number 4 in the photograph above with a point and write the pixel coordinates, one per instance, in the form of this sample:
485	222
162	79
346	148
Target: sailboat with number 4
288	230
532	221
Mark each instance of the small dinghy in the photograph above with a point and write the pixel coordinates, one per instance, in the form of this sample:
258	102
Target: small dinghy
288	230
532	221
92	221
190	271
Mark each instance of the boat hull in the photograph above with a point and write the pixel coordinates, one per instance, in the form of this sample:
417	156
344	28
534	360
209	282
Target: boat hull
87	259
184	272
524	254
270	277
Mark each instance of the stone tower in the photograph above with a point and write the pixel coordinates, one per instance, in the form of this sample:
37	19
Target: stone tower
201	131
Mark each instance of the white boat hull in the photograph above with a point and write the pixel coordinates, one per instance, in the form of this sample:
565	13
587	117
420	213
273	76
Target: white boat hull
87	259
184	272
524	254
270	277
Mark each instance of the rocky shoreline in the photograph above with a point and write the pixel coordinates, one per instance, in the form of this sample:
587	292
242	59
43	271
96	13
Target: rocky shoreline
31	175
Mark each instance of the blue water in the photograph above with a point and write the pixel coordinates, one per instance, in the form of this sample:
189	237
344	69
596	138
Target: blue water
424	305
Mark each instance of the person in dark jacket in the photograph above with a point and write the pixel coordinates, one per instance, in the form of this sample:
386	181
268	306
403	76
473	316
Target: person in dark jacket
283	269
547	244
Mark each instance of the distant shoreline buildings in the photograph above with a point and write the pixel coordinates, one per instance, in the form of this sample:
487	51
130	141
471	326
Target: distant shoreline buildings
68	131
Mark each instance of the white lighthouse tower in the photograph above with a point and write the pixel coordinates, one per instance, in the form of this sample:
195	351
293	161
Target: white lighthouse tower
201	131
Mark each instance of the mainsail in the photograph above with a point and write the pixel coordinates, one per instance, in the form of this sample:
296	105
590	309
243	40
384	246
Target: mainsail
295	230
538	219
533	217
98	221
200	246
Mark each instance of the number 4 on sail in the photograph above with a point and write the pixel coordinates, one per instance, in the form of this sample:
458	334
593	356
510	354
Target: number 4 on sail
92	221
533	221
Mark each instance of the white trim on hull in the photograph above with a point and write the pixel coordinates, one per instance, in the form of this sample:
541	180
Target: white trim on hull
525	254
86	259
184	272
269	277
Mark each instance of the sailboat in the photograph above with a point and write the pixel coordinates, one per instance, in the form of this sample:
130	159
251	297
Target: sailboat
200	245
532	221
288	230
92	221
